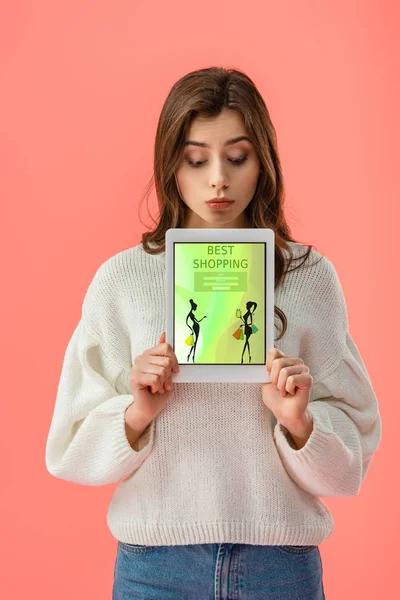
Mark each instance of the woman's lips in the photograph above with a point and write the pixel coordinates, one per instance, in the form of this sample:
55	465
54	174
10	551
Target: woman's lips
219	205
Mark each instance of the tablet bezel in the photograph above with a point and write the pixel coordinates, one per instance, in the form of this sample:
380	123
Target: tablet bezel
220	373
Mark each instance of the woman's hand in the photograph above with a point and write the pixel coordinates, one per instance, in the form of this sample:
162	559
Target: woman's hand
151	379
288	393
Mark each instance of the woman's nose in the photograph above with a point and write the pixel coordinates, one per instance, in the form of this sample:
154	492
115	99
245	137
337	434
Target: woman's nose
218	178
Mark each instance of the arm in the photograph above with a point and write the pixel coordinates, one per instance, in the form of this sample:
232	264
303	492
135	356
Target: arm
87	442
346	432
333	456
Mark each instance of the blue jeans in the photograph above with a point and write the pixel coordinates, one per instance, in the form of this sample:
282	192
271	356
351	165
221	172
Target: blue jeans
217	572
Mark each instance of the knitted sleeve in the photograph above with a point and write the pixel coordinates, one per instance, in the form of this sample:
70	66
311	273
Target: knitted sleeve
346	420
87	443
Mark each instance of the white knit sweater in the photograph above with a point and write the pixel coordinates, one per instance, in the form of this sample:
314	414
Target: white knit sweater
214	466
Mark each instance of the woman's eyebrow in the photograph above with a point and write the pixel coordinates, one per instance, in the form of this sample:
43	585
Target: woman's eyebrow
227	143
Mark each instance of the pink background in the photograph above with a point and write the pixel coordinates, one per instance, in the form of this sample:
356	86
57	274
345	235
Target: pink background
81	88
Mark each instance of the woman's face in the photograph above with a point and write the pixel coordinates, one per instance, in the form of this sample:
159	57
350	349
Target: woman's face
217	175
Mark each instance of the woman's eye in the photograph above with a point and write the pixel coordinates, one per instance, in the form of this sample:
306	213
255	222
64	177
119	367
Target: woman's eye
234	161
194	163
238	161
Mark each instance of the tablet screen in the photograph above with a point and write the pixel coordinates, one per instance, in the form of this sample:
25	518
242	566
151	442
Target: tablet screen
219	302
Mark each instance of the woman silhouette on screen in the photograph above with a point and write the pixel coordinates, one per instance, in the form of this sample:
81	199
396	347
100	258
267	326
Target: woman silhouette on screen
247	328
196	327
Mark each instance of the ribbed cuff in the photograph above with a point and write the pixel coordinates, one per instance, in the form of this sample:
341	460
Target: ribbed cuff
128	458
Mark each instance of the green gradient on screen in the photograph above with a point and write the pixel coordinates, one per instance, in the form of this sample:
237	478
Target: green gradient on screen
220	278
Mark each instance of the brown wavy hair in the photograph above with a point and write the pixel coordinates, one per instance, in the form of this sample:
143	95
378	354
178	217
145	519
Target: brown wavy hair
207	92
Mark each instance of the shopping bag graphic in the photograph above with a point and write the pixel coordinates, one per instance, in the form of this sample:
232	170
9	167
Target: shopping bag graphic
189	340
238	313
237	333
241	334
254	328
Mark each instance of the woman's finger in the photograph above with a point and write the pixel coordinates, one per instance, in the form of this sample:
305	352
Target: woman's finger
164	361
278	364
302	380
284	374
147	380
158	370
272	355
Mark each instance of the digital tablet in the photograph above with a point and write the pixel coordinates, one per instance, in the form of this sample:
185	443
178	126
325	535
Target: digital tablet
220	302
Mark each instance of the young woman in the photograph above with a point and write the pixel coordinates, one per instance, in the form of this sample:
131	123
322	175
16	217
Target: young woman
219	483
